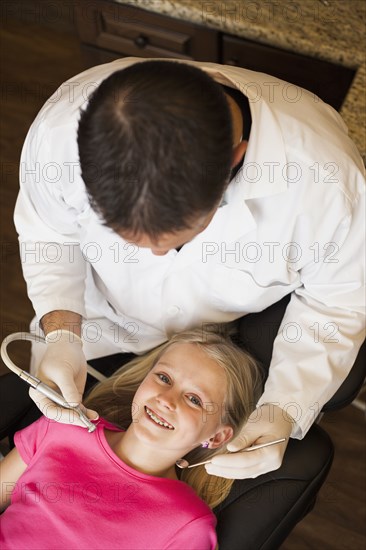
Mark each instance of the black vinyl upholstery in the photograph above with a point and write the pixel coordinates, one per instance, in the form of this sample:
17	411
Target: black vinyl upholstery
259	513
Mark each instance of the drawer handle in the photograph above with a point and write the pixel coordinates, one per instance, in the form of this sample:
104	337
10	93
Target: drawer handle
141	41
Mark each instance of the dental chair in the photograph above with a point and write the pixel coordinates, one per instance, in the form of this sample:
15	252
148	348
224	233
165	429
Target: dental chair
259	513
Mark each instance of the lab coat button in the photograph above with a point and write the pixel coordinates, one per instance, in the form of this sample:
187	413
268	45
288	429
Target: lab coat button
173	311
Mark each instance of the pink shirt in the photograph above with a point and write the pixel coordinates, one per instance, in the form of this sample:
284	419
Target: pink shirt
76	493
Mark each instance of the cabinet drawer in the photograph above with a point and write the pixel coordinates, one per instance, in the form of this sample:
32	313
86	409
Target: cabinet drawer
129	31
328	81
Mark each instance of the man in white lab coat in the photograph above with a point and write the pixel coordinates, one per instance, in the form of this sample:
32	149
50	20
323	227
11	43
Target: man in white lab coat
155	233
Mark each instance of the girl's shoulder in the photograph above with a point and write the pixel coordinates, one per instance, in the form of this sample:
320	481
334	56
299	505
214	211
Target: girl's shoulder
103	423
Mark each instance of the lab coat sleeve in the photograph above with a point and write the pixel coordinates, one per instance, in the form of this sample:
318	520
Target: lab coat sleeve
53	264
322	329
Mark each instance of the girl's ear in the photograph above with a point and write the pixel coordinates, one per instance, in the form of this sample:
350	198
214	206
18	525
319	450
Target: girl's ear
221	437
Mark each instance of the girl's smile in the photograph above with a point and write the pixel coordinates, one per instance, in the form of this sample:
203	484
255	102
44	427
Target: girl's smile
158	420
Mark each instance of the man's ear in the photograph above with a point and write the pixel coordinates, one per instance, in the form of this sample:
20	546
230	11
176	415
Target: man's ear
238	153
221	437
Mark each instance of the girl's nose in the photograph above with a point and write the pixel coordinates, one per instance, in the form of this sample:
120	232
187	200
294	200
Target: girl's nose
167	399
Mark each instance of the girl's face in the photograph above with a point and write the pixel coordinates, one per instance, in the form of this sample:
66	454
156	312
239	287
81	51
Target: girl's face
180	403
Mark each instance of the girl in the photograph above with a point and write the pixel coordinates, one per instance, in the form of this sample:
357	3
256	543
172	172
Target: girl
120	489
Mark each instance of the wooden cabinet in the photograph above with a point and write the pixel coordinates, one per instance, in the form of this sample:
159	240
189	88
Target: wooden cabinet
123	30
109	30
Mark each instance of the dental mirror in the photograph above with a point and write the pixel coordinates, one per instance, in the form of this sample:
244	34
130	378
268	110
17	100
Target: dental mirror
182	463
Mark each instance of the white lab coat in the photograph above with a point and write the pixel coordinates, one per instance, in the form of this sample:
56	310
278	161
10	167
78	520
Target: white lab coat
292	220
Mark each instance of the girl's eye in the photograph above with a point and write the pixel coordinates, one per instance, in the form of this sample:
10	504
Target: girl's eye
195	400
163	377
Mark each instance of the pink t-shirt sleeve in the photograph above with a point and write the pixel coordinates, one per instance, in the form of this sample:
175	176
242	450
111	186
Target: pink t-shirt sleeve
199	534
28	440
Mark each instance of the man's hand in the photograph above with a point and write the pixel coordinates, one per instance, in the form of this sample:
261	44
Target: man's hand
63	368
265	424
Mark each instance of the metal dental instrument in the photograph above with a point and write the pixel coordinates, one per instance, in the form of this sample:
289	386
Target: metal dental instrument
35	382
182	463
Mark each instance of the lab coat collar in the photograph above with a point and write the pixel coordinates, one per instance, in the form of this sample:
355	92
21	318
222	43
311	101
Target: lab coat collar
237	219
264	169
231	221
229	224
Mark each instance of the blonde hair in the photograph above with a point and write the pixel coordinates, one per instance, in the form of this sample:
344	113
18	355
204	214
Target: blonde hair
113	400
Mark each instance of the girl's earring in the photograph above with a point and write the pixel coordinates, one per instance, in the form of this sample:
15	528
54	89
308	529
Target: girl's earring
205	444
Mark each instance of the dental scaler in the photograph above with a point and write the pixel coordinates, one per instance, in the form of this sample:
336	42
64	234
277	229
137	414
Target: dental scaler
35	382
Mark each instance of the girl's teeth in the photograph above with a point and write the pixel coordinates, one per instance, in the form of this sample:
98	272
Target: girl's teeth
155	419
